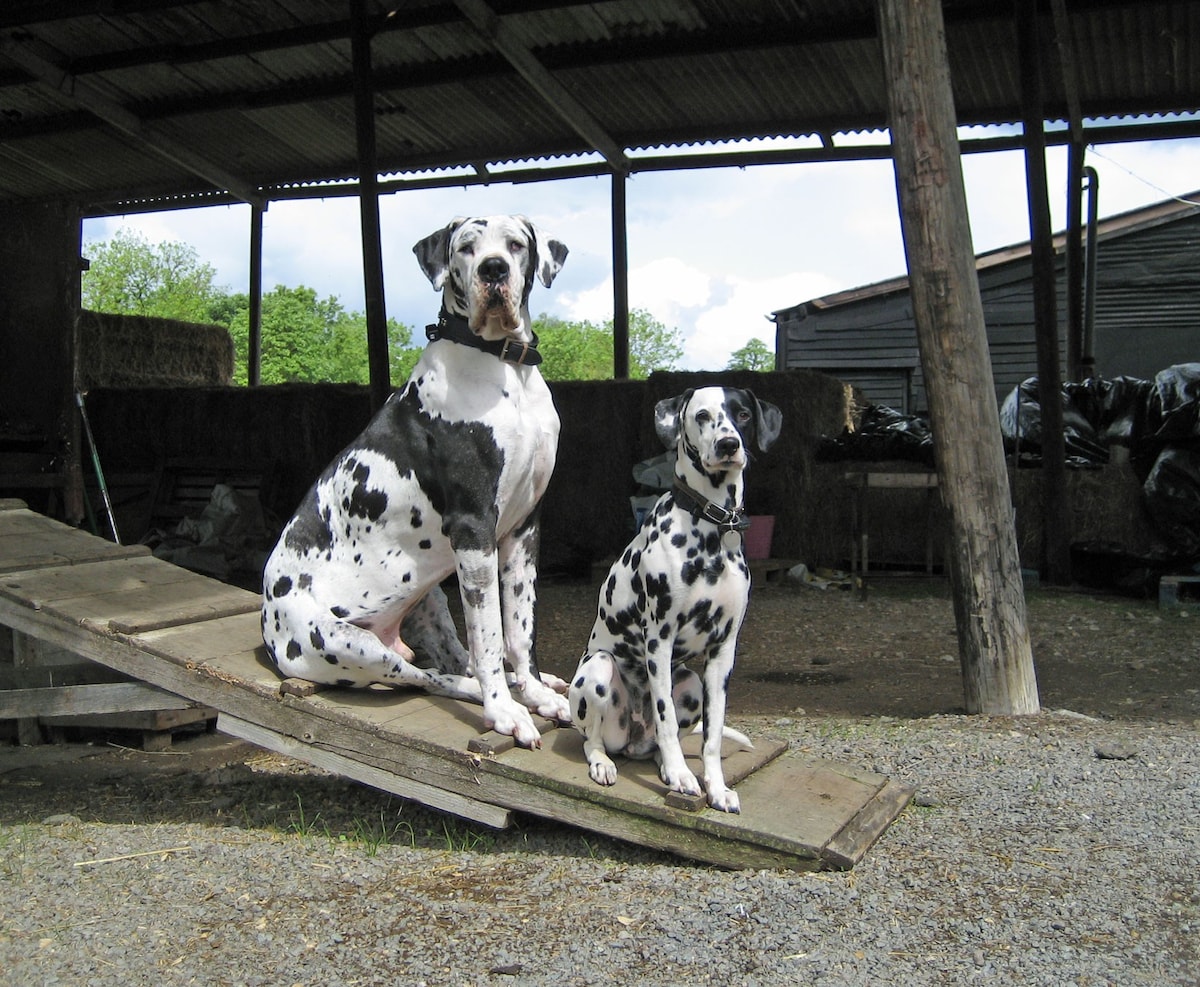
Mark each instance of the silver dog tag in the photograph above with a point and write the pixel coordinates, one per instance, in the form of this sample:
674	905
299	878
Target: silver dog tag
732	540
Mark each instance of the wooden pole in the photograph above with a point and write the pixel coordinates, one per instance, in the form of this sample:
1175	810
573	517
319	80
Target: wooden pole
989	599
620	279
1056	518
254	343
368	200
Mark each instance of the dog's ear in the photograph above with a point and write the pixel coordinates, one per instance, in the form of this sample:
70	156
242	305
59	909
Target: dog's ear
433	253
666	417
768	420
550	253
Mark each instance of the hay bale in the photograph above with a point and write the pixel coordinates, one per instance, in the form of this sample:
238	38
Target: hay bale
1105	504
144	351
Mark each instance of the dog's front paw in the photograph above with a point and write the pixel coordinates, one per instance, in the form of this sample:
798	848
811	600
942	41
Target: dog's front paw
513	720
602	770
724	799
546	701
554	682
680	780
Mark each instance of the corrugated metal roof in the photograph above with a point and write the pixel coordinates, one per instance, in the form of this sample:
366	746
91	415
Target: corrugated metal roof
101	100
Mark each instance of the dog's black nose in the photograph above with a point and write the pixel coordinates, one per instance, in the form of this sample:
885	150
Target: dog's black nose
728	447
493	270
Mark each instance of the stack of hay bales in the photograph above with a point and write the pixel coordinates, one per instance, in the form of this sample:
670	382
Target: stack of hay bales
144	351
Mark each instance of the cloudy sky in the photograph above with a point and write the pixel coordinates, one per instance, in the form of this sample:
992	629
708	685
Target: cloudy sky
711	252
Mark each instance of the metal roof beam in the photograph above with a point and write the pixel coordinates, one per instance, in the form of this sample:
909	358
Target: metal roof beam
89	98
557	97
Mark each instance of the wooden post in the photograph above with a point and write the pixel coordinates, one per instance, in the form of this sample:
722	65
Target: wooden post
989	599
1056	518
254	343
378	359
620	279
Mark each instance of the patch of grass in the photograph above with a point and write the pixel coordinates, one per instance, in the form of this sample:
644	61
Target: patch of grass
459	835
305	825
374	834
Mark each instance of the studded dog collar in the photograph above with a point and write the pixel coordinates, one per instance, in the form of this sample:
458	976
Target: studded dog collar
455	329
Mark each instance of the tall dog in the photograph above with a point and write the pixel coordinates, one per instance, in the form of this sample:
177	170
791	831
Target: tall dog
447	478
678	593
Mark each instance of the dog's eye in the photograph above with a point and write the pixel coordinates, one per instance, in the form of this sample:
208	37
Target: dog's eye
515	246
703	417
743	416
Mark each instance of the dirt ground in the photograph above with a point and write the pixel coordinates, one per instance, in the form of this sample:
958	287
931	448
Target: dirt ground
827	652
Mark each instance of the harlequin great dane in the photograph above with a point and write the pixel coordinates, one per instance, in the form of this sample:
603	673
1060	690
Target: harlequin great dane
447	478
678	593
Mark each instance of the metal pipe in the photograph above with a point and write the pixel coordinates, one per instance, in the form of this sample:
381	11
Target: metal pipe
87	428
1088	362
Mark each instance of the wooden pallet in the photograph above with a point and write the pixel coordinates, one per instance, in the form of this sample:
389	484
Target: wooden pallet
200	639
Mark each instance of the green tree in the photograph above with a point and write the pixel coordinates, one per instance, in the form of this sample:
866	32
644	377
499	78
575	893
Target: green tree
584	350
130	276
574	350
755	355
652	346
305	338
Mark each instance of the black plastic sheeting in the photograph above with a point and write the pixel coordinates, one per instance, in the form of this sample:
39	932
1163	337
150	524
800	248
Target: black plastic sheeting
882	434
1157	420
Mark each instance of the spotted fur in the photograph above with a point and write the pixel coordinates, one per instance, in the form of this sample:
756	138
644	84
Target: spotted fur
678	593
446	479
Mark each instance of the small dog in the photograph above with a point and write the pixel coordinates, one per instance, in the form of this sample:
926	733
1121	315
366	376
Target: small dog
678	593
447	478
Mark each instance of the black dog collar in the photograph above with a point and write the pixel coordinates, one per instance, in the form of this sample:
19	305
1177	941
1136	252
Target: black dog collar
724	519
455	329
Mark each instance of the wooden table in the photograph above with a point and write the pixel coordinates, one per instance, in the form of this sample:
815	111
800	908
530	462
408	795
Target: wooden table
861	482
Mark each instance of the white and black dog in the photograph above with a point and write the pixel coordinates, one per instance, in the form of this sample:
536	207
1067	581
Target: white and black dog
678	593
447	478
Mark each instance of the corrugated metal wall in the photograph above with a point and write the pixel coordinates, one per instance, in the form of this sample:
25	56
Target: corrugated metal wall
1147	318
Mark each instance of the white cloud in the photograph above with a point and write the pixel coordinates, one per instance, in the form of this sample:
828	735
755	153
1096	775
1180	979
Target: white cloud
742	313
715	314
710	251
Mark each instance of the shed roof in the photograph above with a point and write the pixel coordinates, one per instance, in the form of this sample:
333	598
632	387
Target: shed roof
127	104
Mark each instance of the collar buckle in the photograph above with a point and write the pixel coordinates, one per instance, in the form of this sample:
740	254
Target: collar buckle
506	354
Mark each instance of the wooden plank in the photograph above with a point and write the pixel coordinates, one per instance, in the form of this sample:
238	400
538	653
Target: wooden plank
795	814
867	825
740	764
81	673
70	700
29	540
130	594
157	720
481	812
789	815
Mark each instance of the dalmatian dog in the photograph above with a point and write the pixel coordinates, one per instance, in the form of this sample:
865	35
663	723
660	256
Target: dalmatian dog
446	478
678	593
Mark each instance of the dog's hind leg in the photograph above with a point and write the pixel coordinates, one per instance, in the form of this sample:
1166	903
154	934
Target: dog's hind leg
429	632
600	711
325	649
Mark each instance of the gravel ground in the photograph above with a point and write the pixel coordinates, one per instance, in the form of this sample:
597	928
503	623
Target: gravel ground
1056	850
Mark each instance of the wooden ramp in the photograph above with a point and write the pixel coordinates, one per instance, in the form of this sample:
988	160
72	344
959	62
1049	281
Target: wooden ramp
198	638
